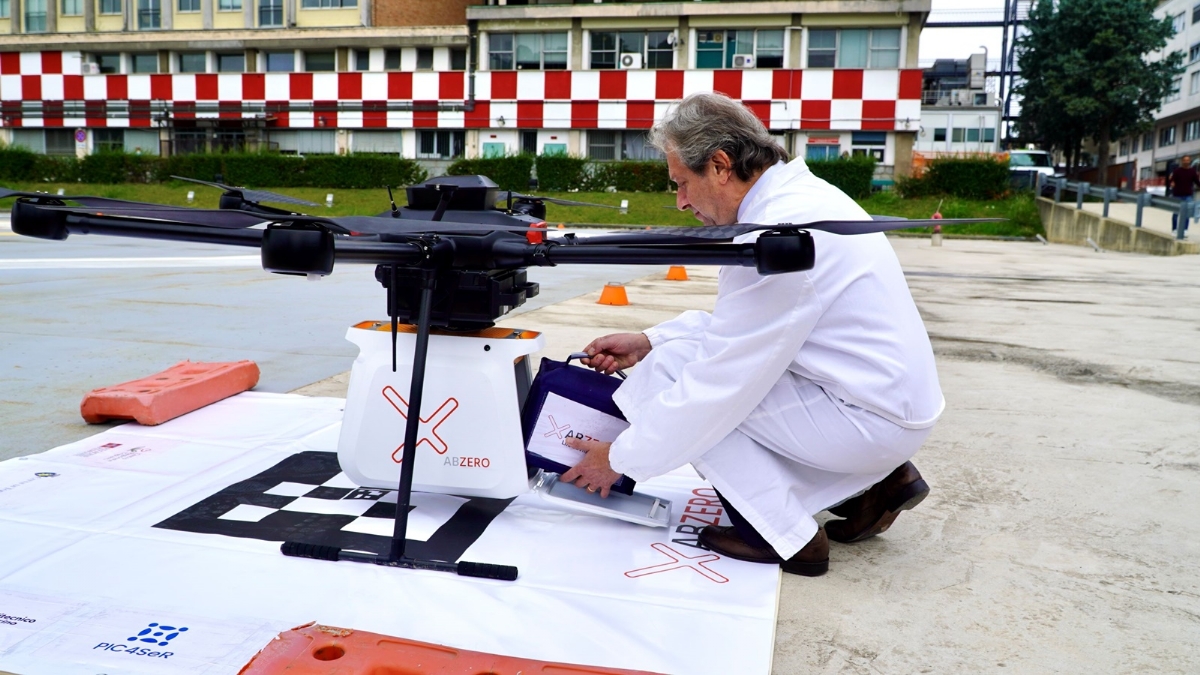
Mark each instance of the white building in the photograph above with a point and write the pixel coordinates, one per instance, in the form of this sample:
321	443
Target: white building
958	114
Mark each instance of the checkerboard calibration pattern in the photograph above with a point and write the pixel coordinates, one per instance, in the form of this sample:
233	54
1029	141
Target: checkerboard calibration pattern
307	498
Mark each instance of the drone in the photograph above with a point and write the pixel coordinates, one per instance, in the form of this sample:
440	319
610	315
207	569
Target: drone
453	260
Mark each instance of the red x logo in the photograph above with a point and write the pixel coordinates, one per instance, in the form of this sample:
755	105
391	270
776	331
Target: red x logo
432	422
681	561
555	429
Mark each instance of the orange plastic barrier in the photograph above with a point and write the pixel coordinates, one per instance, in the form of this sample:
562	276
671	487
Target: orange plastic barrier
176	391
313	649
613	294
677	273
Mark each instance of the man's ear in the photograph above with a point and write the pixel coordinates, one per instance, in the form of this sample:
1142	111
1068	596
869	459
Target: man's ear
723	166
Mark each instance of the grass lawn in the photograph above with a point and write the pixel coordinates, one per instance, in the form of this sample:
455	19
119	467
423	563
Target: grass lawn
645	208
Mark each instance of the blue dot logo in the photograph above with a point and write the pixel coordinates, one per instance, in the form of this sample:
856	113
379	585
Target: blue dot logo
158	634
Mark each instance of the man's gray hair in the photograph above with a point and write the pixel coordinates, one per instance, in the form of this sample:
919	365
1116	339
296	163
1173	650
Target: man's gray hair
702	124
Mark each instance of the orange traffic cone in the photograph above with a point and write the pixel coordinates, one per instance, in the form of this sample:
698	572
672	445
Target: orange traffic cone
613	294
677	273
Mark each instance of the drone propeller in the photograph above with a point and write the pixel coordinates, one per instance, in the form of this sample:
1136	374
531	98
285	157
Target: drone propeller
89	201
251	195
663	235
510	195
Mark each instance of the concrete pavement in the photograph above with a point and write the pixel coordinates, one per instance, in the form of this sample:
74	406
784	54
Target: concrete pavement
1061	534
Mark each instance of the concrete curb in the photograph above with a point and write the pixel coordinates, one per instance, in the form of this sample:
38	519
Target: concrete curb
1065	224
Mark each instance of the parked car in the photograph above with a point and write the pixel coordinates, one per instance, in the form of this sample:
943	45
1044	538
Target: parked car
1031	160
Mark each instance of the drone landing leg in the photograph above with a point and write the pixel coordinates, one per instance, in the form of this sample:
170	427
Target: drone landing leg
412	427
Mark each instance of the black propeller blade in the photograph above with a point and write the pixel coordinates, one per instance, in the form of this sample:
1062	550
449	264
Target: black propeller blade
251	195
729	232
81	199
506	195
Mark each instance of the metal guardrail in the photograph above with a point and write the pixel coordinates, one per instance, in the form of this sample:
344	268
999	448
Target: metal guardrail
1184	210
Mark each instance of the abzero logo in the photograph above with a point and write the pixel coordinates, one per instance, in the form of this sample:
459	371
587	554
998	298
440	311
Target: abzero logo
45	474
143	644
556	430
468	462
696	563
159	634
431	423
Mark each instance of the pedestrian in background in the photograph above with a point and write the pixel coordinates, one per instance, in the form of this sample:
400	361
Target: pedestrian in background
1181	184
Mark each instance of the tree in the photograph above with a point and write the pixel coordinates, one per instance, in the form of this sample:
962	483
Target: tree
1093	69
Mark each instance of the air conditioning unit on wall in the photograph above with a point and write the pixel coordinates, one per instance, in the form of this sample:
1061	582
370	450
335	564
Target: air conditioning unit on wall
90	68
743	61
629	61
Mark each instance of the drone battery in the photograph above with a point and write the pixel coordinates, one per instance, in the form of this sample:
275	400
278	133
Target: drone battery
567	402
637	507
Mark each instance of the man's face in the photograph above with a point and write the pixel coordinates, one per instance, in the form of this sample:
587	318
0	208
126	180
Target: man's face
701	193
1186	162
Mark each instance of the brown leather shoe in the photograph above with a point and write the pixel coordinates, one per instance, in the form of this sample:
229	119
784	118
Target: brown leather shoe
810	561
874	511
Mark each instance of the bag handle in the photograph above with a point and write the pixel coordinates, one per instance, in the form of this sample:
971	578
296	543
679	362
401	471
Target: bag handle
584	355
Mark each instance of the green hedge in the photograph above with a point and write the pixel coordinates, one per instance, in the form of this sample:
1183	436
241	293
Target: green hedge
248	169
510	173
851	175
561	173
628	176
965	177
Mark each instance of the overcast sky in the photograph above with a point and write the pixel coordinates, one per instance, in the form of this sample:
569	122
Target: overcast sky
959	43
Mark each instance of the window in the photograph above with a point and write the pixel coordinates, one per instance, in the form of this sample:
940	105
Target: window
72	7
458	59
1194	53
5	9
319	62
391	59
281	62
854	48
188	141
822	152
270	13
143	63
972	135
229	5
108	140
655	47
149	15
193	62
440	144
717	48
871	143
527	51
1178	23
35	16
60	142
1195	13
328	4
605	145
362	60
1191	130
602	145
231	63
229	140
989	135
939	134
1173	94
529	142
110	6
424	58
1124	148
189	5
1166	136
109	64
956	135
1148	141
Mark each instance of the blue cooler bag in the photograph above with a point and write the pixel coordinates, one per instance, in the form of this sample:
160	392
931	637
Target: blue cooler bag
588	400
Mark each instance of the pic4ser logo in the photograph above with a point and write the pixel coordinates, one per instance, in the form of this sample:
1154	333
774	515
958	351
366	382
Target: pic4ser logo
156	634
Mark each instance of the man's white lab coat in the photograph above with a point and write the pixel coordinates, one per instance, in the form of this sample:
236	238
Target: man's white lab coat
799	390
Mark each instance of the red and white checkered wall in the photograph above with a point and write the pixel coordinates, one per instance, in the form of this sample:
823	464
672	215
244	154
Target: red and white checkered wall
816	99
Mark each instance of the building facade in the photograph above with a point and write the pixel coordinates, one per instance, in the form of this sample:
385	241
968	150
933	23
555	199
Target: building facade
959	116
1176	130
435	81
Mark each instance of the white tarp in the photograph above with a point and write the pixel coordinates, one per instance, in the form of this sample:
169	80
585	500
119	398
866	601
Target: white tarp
156	550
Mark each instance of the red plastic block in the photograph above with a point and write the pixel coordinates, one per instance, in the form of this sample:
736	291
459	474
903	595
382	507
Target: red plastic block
313	649
176	391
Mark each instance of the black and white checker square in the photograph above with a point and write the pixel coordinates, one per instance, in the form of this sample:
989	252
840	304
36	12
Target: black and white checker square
307	498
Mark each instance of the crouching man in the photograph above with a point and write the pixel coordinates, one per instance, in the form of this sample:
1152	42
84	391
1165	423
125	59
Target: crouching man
799	392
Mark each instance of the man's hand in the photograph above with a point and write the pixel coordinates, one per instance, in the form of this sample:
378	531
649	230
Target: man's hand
593	471
615	352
